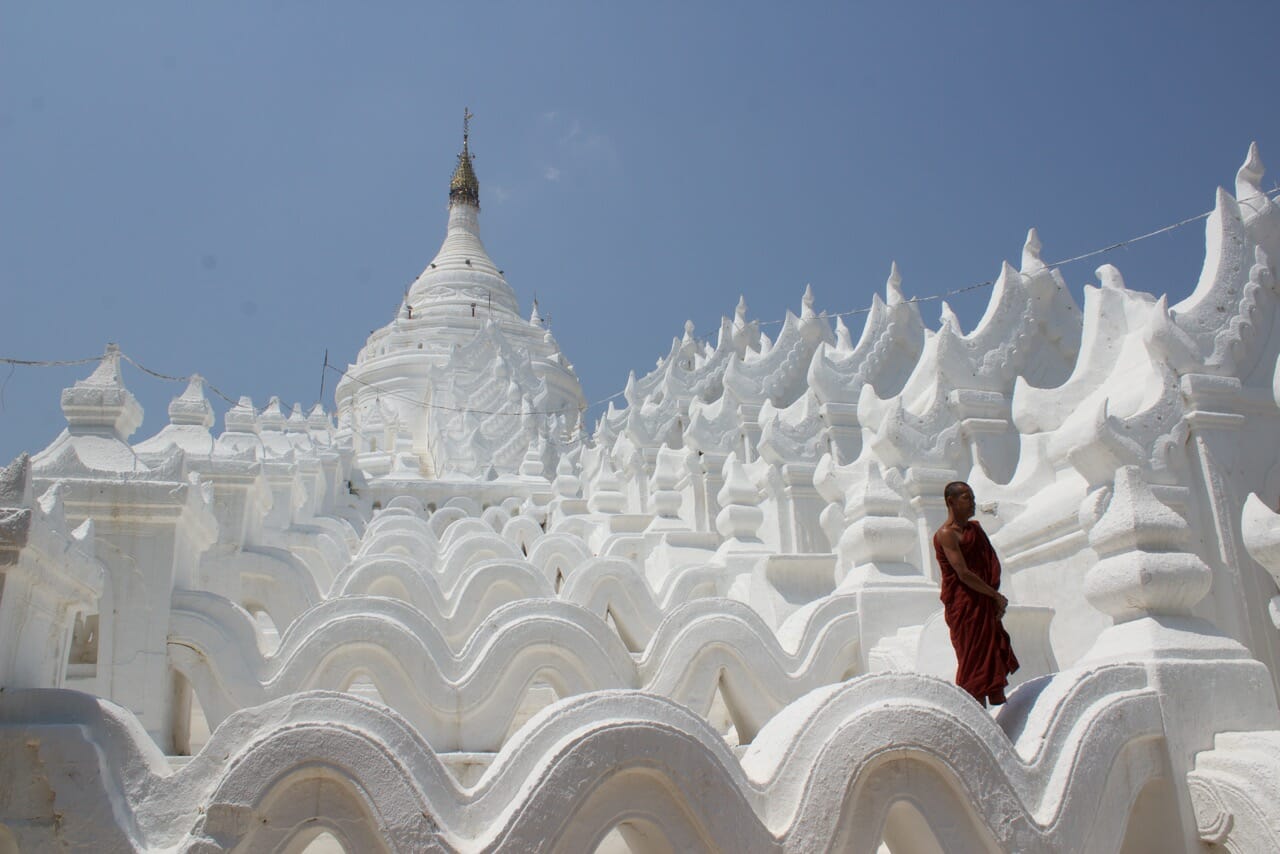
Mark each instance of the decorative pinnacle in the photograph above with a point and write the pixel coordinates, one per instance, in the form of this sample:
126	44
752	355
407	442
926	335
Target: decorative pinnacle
465	187
893	285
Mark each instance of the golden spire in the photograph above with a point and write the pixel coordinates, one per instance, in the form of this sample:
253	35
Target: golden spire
465	187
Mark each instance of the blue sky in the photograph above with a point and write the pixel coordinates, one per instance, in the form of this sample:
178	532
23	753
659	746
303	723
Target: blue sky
234	188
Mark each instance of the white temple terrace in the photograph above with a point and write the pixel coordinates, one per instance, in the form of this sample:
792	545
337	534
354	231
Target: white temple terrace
450	616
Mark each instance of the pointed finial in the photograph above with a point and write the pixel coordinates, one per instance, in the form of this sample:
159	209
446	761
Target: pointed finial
464	188
948	319
740	313
806	302
1031	262
1109	277
844	340
192	407
241	418
108	371
893	285
1249	178
688	331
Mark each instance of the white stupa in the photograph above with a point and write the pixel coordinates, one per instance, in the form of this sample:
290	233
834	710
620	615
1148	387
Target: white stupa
459	383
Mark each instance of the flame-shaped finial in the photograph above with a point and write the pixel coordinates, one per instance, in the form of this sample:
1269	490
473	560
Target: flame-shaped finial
844	340
1109	277
893	285
1249	177
1031	261
948	320
806	303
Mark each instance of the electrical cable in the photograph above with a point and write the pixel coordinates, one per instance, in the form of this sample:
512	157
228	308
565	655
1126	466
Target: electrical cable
1266	194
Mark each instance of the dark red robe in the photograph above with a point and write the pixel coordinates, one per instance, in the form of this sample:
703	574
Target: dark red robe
984	656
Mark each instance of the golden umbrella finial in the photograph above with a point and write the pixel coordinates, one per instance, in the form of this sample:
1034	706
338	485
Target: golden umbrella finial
465	187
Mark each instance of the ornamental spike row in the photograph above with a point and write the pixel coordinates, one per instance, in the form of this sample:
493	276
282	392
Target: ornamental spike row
742	596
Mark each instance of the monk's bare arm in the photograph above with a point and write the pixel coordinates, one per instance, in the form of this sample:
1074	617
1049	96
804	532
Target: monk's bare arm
949	539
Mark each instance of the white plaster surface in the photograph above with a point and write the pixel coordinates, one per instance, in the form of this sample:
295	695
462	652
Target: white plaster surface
447	616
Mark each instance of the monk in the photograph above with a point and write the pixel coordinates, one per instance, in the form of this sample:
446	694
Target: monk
971	599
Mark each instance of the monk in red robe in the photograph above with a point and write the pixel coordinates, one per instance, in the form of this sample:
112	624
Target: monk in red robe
971	599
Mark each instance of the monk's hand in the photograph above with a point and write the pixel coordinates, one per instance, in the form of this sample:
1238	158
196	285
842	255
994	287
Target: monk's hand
1002	604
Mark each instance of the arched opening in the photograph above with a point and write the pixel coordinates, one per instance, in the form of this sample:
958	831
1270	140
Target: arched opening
190	726
724	716
390	587
1149	830
907	832
362	685
540	693
82	659
268	634
324	843
625	632
634	837
305	805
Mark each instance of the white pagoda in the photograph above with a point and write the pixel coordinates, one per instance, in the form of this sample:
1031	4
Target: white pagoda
459	384
455	620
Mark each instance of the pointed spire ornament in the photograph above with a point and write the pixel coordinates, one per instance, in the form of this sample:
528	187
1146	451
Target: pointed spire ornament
1109	277
241	418
1249	178
272	417
948	320
192	407
1031	262
297	421
101	400
318	420
844	340
893	285
464	188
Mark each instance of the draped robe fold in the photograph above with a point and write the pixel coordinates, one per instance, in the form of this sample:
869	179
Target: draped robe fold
984	655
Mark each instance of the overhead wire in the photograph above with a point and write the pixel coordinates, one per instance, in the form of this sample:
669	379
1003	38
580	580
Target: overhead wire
1093	253
185	379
